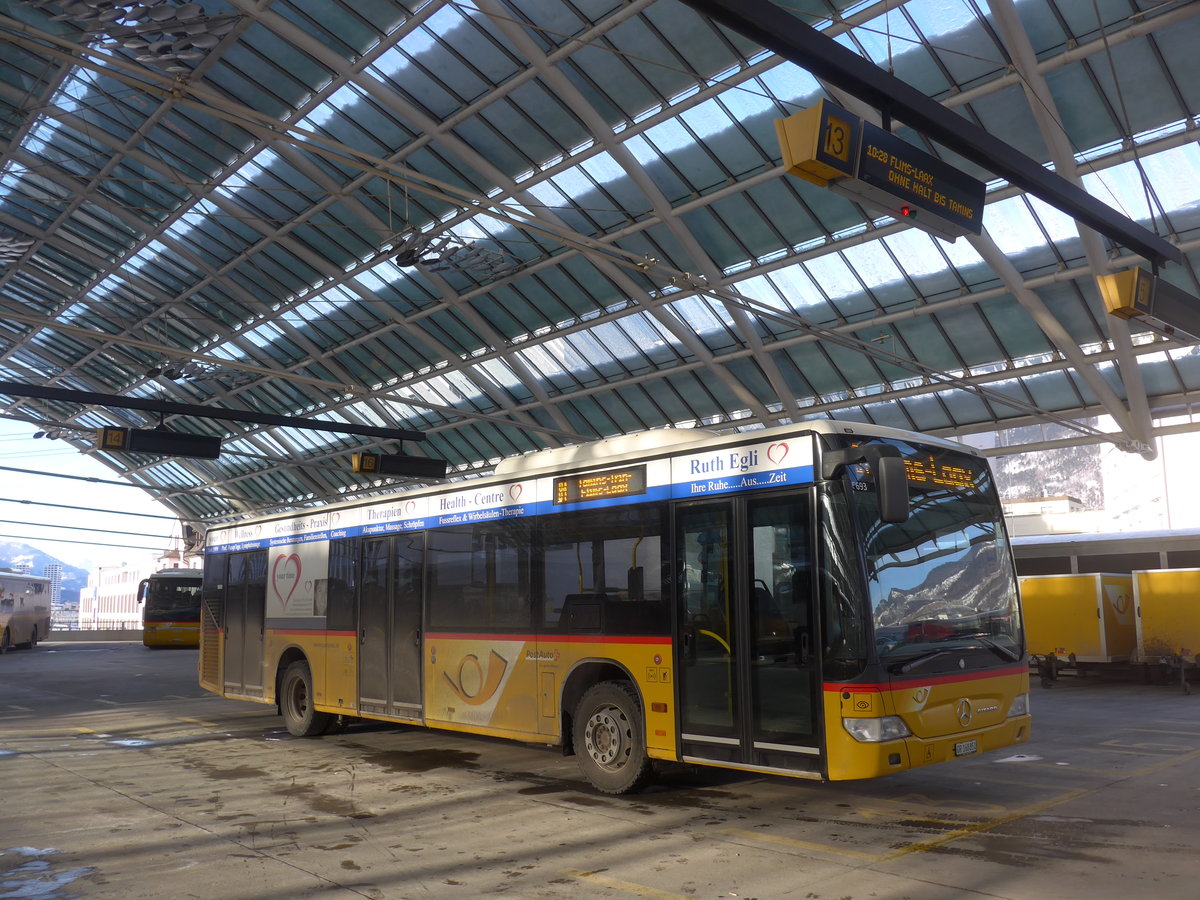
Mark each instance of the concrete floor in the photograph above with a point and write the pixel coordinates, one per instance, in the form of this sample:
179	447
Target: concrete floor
119	778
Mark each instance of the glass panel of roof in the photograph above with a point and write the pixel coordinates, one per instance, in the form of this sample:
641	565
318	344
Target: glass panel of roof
348	30
1017	332
722	230
675	142
664	174
1178	49
967	408
953	31
1049	390
1012	226
1070	309
712	124
1007	114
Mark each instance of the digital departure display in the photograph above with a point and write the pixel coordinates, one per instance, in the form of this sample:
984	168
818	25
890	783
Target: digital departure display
929	470
600	485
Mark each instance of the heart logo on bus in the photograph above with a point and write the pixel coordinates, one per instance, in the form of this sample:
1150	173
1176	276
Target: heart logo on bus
285	576
514	491
776	453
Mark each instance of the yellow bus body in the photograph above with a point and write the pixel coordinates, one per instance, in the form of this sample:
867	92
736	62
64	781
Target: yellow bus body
171	634
1090	617
510	687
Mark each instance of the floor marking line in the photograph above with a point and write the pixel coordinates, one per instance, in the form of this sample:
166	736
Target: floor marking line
801	845
641	890
986	825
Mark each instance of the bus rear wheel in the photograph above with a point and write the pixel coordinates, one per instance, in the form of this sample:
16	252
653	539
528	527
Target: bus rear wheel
296	702
607	734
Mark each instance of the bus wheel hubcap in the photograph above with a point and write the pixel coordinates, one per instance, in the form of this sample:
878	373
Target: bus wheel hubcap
604	736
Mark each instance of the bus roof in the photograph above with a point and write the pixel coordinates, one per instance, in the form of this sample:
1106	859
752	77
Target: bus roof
658	442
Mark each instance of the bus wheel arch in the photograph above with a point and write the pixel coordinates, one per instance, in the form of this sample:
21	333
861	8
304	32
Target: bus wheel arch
608	734
294	698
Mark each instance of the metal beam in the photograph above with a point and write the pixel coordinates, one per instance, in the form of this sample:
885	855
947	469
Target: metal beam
41	392
781	32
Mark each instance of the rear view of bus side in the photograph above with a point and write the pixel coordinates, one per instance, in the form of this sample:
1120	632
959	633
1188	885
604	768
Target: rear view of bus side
24	610
826	601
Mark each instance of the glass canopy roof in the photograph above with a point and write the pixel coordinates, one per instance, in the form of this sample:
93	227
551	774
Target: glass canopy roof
519	224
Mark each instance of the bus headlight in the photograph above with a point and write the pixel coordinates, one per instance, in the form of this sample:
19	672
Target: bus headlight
1020	706
874	731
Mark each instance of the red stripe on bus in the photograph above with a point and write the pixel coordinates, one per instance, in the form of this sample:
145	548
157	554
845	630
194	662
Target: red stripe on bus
549	639
913	680
314	632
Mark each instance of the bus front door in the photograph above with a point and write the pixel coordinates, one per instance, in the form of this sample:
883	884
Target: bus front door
748	663
389	626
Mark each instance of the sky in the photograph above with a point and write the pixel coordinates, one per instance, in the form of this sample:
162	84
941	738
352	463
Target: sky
49	528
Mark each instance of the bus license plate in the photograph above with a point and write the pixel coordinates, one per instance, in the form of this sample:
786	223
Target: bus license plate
965	748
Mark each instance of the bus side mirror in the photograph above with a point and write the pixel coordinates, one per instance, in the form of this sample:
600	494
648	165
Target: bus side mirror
892	483
887	465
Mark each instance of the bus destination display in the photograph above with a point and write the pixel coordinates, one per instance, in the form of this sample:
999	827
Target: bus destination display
600	485
928	470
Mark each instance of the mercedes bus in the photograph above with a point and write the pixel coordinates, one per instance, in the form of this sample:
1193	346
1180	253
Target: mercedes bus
827	600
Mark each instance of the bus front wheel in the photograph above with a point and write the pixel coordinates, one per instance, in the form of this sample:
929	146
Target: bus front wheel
296	702
607	734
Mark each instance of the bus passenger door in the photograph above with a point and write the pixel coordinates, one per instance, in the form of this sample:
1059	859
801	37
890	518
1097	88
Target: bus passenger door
245	601
389	626
749	673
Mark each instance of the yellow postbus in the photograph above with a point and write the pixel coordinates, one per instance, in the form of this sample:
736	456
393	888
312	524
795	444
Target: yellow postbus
828	601
24	609
170	601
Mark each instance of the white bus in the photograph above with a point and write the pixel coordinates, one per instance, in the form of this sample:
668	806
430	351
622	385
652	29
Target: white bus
24	609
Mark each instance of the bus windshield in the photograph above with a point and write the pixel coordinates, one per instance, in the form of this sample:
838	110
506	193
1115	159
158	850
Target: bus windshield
172	600
942	583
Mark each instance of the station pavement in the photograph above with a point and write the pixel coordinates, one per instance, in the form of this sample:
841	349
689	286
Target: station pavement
120	778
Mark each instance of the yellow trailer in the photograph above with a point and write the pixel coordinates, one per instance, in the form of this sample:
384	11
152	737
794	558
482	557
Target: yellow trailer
1167	602
1085	618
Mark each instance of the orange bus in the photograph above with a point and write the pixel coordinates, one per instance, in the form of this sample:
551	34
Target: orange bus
24	609
828	601
170	602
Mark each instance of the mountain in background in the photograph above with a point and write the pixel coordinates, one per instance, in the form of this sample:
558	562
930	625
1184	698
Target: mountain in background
13	554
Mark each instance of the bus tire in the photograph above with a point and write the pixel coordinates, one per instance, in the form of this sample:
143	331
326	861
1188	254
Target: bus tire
608	740
5	642
33	638
296	702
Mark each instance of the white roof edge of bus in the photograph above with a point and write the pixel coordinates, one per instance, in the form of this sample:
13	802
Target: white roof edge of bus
646	442
596	453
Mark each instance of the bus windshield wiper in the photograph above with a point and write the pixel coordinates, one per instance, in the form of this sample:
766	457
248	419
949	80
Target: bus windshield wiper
901	668
1000	650
982	640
